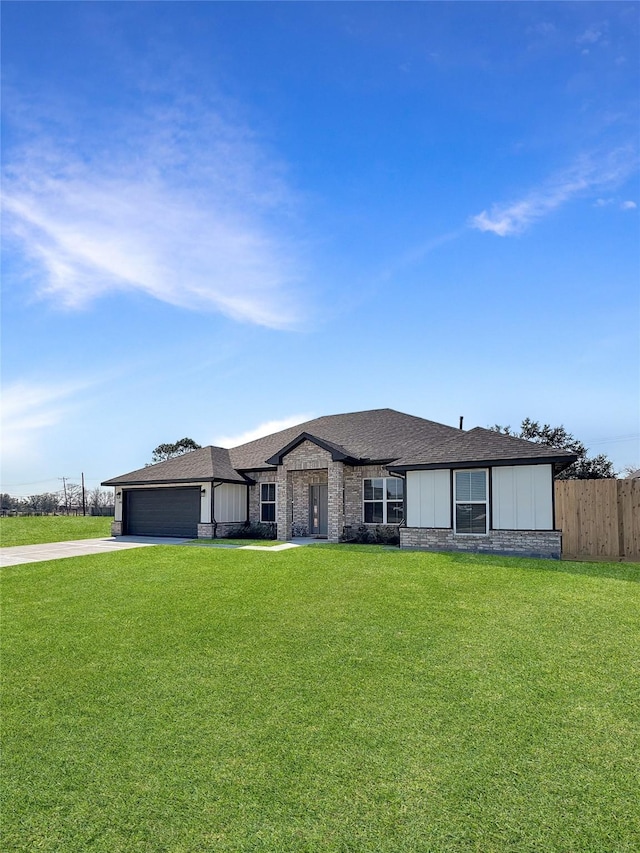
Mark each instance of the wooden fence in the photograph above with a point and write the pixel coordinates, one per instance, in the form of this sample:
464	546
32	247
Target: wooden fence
599	518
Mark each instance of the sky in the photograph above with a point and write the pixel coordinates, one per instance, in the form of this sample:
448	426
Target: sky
223	218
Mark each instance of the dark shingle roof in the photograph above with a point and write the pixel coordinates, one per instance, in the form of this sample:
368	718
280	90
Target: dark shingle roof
378	434
480	445
205	464
381	435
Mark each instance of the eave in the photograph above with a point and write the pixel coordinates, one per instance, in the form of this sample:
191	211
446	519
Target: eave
559	463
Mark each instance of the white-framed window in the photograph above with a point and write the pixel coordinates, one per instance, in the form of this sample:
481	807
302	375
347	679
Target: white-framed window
471	501
267	502
383	500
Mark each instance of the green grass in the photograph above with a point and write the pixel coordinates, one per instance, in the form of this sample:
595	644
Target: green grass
34	530
319	699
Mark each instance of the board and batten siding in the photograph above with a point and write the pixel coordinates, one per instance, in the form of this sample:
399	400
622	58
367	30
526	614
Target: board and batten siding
429	498
522	497
230	503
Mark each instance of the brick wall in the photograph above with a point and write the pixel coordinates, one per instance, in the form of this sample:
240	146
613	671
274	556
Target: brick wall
300	482
353	477
336	501
308	465
304	465
223	529
518	543
254	491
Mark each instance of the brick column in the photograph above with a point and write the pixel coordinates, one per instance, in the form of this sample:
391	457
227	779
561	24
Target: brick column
283	498
336	501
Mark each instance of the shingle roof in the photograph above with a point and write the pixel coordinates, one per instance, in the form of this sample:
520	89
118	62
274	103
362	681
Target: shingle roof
381	435
202	465
378	434
480	445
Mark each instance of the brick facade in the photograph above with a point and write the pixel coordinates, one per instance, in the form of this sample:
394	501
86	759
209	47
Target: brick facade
222	529
308	465
517	543
353	477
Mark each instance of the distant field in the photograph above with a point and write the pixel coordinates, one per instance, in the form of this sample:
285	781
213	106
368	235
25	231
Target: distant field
36	529
340	699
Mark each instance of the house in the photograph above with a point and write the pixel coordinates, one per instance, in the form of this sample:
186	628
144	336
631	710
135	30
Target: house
447	489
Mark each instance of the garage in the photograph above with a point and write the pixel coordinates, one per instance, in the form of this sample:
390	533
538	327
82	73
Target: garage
162	512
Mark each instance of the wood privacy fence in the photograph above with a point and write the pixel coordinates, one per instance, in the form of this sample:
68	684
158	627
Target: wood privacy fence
599	518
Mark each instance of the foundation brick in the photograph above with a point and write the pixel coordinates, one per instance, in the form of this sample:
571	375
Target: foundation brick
517	543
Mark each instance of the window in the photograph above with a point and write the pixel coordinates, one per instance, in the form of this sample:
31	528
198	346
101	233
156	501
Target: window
383	500
267	502
470	502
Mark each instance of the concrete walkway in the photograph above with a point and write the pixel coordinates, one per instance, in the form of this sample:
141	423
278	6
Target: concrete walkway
18	554
284	546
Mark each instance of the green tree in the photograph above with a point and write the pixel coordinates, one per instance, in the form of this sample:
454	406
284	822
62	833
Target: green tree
169	451
584	468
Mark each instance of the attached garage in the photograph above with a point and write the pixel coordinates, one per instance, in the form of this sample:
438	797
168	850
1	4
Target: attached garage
162	512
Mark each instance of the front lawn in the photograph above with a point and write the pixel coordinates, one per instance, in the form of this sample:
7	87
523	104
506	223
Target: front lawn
319	699
37	529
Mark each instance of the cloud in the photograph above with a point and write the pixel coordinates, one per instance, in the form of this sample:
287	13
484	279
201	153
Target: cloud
29	407
594	33
628	205
266	428
180	204
589	175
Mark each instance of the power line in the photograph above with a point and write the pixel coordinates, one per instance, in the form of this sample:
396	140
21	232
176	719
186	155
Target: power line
613	439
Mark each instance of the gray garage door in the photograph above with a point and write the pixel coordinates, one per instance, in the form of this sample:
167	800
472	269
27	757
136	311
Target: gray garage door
162	512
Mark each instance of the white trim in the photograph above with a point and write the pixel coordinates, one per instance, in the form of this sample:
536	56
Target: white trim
456	501
384	499
273	503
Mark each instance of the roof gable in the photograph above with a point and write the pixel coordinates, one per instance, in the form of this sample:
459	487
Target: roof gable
208	463
338	454
480	446
379	435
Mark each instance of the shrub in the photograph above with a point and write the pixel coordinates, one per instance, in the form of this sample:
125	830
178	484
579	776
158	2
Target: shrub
252	530
381	534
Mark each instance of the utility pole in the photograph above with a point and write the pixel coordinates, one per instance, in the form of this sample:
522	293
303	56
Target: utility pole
66	500
84	505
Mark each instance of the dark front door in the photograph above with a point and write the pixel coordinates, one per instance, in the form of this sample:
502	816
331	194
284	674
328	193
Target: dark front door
318	510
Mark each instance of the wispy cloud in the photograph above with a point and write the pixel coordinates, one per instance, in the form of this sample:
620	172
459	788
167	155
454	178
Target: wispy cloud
590	175
594	33
628	205
180	204
29	407
266	428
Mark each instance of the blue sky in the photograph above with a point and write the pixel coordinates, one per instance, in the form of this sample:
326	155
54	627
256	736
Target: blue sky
223	218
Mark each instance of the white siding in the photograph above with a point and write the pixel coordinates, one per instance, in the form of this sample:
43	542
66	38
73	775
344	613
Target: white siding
522	497
429	498
230	502
205	503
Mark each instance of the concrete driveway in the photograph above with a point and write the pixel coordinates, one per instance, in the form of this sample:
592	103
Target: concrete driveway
15	555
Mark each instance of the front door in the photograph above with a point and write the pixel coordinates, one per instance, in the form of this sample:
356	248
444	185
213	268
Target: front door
318	510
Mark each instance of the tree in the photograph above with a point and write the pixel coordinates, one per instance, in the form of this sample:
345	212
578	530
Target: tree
99	497
169	451
44	503
584	468
9	503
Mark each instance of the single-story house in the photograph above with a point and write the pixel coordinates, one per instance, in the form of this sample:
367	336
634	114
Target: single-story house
445	488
